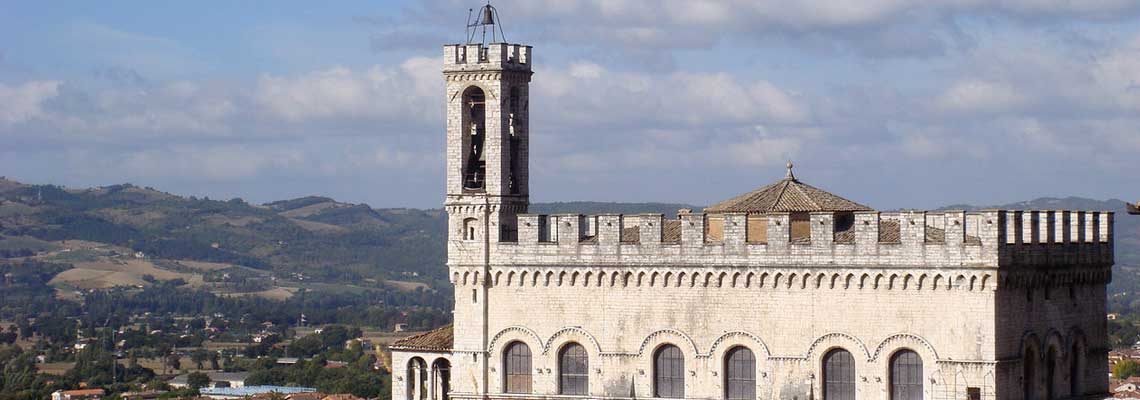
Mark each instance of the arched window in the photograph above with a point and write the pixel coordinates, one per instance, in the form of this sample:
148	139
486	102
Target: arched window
669	372
838	375
516	368
469	228
740	374
417	379
475	134
1076	370
1029	374
906	376
573	370
440	379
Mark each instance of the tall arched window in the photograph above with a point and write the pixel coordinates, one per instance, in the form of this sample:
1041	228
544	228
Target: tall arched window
516	368
1076	370
469	228
573	370
475	133
838	375
669	372
417	379
740	374
906	376
440	379
1029	374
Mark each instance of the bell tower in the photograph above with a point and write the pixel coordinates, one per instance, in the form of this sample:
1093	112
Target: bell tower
488	87
488	91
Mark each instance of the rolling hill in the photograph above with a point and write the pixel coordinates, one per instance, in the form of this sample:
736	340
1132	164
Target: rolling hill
308	239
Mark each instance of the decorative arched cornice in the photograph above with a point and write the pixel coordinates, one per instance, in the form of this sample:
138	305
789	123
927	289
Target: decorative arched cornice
1029	338
890	344
822	340
520	329
564	331
1054	338
664	332
720	340
1076	335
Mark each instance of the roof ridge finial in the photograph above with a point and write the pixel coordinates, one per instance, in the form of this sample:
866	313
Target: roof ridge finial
790	176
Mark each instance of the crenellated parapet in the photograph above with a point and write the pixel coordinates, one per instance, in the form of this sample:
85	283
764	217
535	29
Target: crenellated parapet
476	57
988	238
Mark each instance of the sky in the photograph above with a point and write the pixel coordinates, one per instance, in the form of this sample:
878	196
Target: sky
892	103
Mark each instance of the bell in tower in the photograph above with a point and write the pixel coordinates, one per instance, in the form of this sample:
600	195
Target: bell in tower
475	170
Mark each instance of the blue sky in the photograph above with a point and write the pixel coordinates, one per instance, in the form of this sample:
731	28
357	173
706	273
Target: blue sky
893	103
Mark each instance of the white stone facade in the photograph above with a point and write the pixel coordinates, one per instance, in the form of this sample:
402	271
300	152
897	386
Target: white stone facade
995	286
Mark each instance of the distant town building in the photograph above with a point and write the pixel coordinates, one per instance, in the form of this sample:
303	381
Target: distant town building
79	394
365	344
784	292
217	380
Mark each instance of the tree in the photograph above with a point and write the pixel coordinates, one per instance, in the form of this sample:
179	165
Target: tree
1125	369
305	347
334	336
198	380
173	362
214	361
199	358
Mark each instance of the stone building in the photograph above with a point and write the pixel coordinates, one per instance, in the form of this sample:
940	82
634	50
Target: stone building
785	292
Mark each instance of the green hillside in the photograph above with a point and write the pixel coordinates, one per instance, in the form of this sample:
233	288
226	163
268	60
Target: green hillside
315	238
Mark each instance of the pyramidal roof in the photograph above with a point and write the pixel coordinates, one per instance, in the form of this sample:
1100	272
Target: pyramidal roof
787	195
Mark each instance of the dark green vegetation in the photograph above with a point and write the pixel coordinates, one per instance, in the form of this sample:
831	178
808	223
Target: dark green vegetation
1126	369
326	364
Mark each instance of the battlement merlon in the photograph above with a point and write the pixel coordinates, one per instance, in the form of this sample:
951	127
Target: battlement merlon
493	56
989	238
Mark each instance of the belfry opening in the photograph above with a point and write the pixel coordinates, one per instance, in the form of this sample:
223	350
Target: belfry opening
475	123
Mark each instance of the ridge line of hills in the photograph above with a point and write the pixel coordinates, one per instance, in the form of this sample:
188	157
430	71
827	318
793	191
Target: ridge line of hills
313	239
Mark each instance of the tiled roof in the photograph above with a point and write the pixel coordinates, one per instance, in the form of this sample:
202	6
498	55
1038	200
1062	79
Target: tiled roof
890	232
787	195
440	339
84	392
342	396
670	232
631	234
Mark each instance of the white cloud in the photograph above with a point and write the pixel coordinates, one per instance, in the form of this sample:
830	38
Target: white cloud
586	94
980	97
23	102
376	93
